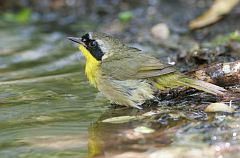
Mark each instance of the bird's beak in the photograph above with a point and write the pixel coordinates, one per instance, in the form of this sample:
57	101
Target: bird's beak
76	40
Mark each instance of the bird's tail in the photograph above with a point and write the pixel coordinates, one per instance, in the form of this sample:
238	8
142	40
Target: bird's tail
201	85
174	80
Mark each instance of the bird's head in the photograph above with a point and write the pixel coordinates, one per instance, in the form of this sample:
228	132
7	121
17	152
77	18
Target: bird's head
98	45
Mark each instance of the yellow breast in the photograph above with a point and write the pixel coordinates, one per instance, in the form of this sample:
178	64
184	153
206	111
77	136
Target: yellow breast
92	66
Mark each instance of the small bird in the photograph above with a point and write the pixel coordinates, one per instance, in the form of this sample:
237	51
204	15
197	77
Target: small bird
127	76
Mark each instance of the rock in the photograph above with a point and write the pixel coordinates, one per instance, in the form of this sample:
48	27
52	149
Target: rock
160	31
219	107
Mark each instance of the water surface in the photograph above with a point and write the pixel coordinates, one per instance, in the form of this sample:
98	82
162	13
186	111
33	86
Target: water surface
46	103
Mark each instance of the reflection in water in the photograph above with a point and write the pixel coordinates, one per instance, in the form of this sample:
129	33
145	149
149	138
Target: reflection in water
176	132
46	103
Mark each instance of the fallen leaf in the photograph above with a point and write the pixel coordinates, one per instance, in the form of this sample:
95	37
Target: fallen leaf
217	10
143	129
122	119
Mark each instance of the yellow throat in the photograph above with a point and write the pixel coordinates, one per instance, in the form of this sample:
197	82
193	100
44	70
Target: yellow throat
91	67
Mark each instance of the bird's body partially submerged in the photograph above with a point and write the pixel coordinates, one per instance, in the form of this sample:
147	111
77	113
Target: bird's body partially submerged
126	76
131	93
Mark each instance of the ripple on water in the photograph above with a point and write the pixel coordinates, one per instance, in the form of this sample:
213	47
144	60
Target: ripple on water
46	103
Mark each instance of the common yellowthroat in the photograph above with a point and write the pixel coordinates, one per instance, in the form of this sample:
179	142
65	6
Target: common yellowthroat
126	75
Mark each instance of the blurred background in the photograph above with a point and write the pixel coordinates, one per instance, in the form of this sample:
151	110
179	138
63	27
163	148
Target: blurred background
46	103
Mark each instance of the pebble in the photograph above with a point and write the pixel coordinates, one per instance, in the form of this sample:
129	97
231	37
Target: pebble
160	31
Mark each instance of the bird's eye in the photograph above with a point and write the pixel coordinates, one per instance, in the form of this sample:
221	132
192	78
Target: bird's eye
92	44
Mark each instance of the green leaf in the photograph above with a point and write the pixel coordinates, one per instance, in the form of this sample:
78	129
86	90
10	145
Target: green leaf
125	16
22	16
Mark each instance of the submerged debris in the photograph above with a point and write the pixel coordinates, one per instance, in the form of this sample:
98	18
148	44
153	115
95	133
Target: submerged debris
144	130
122	119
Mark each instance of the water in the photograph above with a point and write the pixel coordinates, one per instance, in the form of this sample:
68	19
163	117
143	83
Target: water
48	109
46	104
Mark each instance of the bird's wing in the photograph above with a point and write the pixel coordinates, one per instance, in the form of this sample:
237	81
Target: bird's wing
135	66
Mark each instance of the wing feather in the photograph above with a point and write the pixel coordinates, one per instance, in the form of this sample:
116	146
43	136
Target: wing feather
135	65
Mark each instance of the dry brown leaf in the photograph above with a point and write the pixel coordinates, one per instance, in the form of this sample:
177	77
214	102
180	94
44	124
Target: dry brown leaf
217	10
